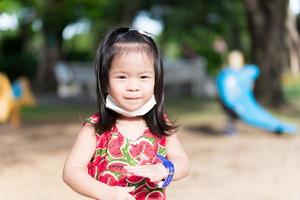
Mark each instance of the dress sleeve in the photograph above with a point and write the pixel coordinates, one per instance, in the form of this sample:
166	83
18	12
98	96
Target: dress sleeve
92	120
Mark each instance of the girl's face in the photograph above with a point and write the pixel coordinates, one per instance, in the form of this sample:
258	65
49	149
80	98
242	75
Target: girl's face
131	79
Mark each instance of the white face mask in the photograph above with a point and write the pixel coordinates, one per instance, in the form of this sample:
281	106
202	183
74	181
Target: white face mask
139	112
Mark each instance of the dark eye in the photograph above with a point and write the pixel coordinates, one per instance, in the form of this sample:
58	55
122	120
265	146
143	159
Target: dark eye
121	77
145	77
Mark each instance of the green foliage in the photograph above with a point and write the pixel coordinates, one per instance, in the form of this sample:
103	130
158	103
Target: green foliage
19	65
79	48
15	61
21	59
9	5
199	22
195	23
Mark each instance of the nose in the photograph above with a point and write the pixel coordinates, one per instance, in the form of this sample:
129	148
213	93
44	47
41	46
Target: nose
133	86
133	90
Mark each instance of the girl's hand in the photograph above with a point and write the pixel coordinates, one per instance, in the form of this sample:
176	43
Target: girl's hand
119	193
155	172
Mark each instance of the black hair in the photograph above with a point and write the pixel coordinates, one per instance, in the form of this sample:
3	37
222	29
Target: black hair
108	49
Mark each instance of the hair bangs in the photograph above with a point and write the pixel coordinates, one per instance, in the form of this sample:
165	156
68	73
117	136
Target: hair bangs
124	48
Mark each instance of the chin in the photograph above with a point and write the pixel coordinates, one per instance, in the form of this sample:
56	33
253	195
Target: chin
131	108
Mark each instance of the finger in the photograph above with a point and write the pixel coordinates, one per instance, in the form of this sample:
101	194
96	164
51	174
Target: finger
142	173
134	174
130	198
129	189
134	167
133	170
154	180
128	174
149	175
138	168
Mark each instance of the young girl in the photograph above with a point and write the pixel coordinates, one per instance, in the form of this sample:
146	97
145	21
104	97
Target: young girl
129	149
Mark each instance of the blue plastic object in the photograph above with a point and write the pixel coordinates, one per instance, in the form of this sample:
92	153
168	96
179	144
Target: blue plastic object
235	89
17	89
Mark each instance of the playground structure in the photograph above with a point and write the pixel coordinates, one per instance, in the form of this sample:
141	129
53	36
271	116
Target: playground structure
13	98
235	90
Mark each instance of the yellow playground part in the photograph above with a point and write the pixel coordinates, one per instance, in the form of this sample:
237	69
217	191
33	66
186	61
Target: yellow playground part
13	98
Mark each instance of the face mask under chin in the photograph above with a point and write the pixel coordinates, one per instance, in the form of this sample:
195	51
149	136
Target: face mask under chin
110	103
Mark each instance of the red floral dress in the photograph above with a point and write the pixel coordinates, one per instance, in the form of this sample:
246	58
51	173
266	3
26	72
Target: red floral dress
114	151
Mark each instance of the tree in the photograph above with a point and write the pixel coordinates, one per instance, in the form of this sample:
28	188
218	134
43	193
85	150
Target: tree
199	23
16	56
268	32
57	14
293	44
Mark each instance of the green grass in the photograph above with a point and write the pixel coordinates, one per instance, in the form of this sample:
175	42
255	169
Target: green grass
188	109
56	113
191	109
292	90
183	109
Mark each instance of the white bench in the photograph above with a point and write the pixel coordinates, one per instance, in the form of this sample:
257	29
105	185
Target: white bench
188	77
75	79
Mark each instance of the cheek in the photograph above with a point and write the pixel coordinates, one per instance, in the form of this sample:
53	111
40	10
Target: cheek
153	84
150	87
115	87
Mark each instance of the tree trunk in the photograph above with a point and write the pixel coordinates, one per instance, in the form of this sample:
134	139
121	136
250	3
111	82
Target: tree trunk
50	54
129	12
54	19
293	45
266	19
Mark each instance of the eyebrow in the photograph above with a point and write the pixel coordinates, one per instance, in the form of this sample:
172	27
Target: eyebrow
144	72
126	72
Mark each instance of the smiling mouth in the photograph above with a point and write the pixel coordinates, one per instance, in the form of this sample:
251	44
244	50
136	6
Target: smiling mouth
132	99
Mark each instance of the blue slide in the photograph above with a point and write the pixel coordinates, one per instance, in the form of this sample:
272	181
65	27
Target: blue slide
235	89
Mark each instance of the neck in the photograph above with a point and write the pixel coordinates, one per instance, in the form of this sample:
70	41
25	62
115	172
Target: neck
131	121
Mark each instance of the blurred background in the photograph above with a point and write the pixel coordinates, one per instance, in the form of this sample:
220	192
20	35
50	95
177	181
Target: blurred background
47	89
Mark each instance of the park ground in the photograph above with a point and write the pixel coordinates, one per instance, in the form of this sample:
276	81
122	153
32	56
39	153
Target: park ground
250	165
